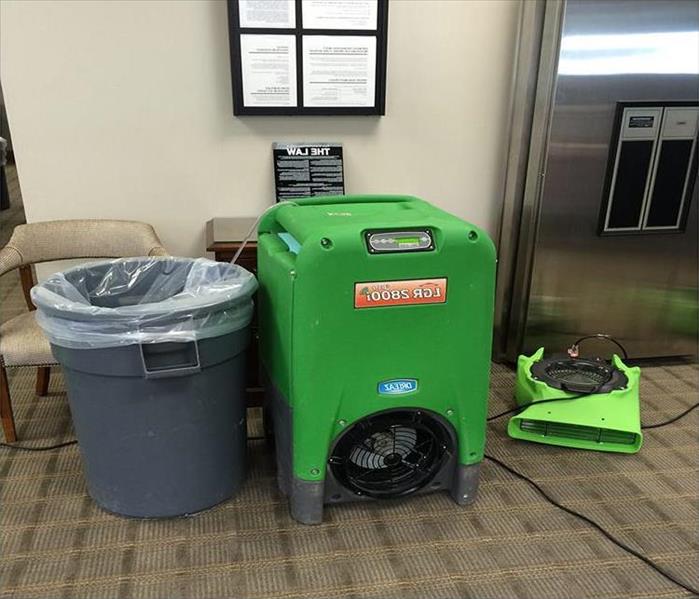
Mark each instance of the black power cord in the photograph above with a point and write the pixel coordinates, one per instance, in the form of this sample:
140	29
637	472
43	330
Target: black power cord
575	347
673	419
67	443
598	527
44	448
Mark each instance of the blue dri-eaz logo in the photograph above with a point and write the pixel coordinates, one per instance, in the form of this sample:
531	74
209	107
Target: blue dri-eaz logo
397	386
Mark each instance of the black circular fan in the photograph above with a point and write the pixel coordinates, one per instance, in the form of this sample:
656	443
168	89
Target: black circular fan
391	453
579	375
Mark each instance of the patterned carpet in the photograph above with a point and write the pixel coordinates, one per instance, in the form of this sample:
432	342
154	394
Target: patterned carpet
55	542
510	543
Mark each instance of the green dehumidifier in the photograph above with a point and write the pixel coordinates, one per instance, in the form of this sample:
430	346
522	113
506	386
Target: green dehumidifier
375	336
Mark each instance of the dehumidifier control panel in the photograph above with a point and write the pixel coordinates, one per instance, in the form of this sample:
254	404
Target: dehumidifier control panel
383	242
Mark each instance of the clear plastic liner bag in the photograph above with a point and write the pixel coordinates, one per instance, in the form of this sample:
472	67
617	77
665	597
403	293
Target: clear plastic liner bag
143	300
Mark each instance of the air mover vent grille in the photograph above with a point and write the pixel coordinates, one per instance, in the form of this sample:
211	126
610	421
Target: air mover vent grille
578	375
592	434
391	453
563	372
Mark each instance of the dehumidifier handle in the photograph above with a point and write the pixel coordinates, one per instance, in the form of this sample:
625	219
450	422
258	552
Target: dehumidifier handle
356	199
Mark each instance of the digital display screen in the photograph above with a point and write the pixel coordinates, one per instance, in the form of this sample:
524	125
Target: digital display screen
419	240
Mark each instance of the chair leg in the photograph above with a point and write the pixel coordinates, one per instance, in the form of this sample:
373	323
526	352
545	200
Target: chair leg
43	376
8	419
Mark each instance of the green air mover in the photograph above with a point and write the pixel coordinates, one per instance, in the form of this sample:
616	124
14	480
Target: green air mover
375	334
603	410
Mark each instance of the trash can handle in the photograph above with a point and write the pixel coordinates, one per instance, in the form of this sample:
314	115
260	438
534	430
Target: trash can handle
173	370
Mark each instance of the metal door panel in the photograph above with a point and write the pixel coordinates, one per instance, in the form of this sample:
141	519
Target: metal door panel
640	288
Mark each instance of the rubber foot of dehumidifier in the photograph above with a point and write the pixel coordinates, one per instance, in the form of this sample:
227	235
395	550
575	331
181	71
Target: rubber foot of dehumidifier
306	501
465	486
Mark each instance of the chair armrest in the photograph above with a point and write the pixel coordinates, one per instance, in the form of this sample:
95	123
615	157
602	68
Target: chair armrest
10	259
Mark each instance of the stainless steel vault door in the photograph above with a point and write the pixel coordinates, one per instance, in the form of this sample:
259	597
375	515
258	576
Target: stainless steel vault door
569	264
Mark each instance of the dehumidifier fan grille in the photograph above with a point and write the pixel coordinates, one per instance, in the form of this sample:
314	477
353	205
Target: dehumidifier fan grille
390	454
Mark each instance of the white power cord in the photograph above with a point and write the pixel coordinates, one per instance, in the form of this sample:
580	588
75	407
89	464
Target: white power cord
254	228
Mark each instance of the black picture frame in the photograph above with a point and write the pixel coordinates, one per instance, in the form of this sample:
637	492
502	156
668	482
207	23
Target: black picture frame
235	31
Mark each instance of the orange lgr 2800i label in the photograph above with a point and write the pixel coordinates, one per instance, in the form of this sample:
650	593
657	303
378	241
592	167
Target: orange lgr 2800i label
399	293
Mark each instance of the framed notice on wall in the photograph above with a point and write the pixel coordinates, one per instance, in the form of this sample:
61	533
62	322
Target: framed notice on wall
308	57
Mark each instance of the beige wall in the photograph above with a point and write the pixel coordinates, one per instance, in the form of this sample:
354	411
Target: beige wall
123	110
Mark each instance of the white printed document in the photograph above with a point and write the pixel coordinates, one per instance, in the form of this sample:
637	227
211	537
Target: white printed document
339	70
279	14
268	65
339	14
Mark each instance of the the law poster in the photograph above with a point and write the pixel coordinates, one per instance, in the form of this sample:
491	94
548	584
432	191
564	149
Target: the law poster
269	70
339	70
303	170
313	57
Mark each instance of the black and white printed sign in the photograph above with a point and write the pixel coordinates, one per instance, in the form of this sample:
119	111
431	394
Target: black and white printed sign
303	170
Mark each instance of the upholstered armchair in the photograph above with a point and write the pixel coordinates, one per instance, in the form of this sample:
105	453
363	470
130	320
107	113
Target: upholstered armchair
22	342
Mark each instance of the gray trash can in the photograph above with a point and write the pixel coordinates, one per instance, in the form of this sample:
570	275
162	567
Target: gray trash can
153	353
